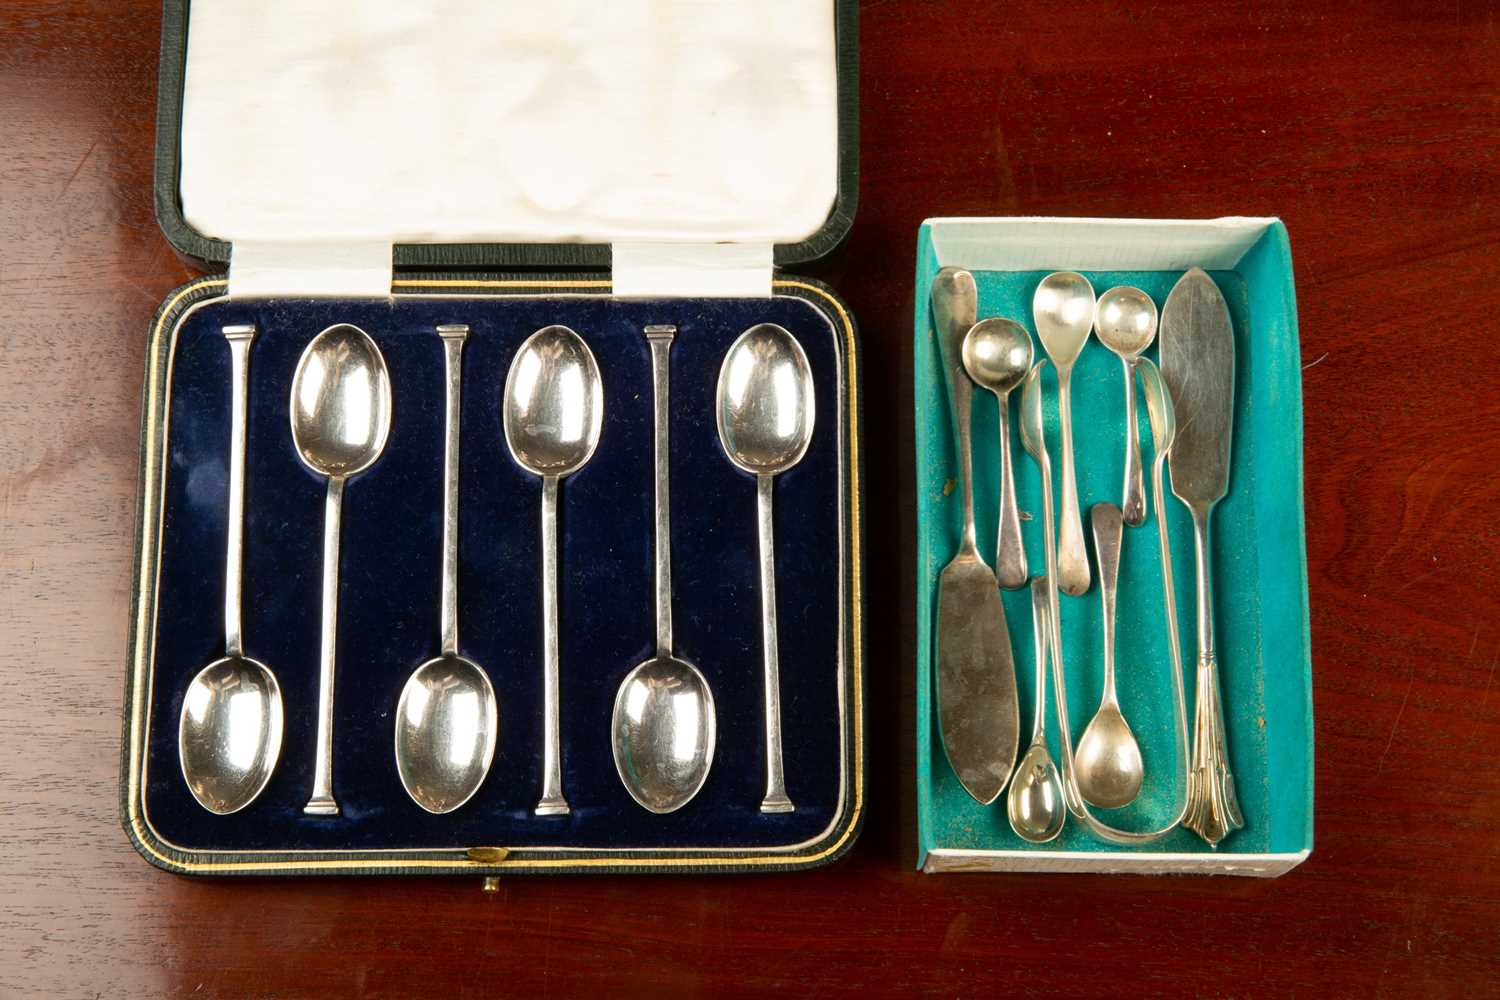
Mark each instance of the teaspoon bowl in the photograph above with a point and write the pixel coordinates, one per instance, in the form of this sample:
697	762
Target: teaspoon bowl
764	401
229	733
664	732
553	403
446	725
341	402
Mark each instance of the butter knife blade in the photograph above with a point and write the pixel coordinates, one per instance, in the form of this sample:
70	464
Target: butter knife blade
1197	362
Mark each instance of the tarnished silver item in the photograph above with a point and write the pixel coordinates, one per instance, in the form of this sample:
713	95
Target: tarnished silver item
1197	364
1108	759
1063	309
978	709
1034	805
997	355
1126	324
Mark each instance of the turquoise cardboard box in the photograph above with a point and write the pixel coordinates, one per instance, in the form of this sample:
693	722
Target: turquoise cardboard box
1260	585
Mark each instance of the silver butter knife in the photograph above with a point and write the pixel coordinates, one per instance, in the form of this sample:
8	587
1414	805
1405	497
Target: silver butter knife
978	709
1197	362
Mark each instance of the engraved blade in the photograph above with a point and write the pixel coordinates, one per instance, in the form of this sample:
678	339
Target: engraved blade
1197	363
978	709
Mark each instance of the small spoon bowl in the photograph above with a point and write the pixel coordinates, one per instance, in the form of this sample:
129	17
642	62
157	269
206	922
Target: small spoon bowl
664	732
1108	760
1063	308
229	733
341	402
765	401
997	354
1127	321
1034	803
446	724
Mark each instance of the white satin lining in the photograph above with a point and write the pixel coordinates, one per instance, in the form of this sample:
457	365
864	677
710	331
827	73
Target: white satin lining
633	121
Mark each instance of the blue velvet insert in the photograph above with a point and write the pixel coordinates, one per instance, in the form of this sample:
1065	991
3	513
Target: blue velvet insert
388	612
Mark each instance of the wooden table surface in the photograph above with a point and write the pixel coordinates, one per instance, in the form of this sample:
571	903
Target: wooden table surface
1372	128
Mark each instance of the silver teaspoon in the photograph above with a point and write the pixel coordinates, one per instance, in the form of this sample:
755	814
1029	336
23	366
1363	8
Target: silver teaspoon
765	416
341	415
1063	309
1035	803
446	719
1126	325
229	732
1108	759
997	355
554	408
663	728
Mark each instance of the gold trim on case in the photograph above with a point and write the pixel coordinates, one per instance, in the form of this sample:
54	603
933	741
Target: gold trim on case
479	860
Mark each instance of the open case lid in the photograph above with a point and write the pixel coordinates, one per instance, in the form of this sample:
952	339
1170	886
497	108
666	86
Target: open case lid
655	134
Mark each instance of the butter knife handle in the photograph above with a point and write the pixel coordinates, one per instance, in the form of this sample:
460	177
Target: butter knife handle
1213	809
1203	550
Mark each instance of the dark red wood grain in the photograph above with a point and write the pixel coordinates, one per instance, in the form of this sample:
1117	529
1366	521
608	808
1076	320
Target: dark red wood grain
1372	128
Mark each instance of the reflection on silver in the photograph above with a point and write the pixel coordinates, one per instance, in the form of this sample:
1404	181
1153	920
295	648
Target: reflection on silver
341	414
553	409
663	728
765	413
229	732
447	720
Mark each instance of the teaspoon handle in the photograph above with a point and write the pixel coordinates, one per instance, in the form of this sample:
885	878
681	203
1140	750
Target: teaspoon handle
552	803
1133	496
660	339
1072	559
776	800
1010	548
240	339
322	802
453	349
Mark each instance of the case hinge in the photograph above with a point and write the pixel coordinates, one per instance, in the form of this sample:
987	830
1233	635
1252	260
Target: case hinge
693	270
